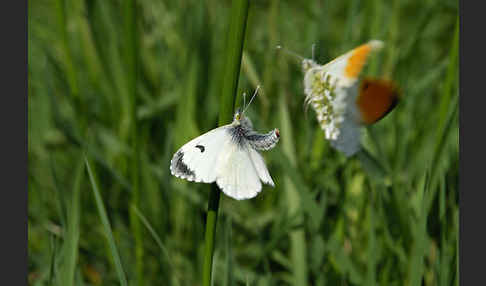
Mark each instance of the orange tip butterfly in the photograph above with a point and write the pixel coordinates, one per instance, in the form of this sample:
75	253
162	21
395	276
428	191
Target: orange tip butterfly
342	103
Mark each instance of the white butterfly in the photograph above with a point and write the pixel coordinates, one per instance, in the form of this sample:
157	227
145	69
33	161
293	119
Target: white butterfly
228	155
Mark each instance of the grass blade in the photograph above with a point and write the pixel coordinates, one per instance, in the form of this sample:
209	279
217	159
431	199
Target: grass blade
131	68
419	247
234	52
372	259
156	237
229	278
451	78
72	237
236	37
106	224
52	264
298	246
60	195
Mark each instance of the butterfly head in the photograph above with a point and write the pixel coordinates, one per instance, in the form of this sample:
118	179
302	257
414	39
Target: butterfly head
238	115
307	64
241	119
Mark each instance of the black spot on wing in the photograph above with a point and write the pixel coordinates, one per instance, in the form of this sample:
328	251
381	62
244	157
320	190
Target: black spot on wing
178	167
200	147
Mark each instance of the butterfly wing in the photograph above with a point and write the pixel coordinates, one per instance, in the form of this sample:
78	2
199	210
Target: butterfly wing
346	68
348	140
376	99
261	168
198	159
238	177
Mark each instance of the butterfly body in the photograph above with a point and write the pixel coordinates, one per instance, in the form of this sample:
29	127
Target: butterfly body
227	155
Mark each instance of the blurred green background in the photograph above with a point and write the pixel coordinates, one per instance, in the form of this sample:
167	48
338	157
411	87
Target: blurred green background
126	83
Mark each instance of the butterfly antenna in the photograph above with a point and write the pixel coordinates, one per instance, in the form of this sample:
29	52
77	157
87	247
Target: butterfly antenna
279	47
244	100
313	51
254	94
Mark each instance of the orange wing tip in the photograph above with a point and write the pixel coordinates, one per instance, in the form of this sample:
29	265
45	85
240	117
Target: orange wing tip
358	57
376	99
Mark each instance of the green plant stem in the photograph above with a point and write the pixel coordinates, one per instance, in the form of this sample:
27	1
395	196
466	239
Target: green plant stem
211	219
73	228
106	223
131	65
229	82
234	51
298	244
67	58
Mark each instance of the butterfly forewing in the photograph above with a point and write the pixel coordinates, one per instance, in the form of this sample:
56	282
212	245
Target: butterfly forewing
198	159
348	67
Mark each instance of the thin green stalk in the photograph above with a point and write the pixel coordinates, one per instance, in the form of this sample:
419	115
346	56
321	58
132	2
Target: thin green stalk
229	277
106	224
230	76
456	218
419	248
450	80
158	240
234	51
211	218
439	150
52	264
67	56
298	244
68	63
372	247
60	195
448	110
72	235
131	70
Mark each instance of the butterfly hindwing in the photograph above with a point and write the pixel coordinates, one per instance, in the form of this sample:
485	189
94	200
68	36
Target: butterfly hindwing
238	177
260	167
376	99
348	140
